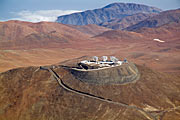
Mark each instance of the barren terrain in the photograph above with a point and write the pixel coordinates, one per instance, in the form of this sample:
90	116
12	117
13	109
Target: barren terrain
36	84
48	43
34	93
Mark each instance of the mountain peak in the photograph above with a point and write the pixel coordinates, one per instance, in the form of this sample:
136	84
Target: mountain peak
109	12
133	6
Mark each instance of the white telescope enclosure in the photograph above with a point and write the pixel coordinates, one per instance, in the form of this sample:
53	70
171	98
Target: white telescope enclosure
104	58
95	58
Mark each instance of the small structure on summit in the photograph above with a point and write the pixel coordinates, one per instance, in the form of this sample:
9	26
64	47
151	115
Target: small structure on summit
97	63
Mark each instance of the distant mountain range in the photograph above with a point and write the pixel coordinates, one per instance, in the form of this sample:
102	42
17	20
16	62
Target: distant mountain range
108	13
162	18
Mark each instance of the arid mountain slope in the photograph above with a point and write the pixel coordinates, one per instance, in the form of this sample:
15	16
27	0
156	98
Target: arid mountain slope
90	29
162	18
31	93
166	32
26	35
126	21
27	44
107	13
120	36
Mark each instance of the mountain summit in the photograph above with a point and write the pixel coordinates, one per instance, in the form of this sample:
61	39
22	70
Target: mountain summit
107	13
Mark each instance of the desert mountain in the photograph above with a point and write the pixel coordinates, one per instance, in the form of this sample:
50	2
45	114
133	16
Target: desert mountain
90	29
26	35
105	14
126	21
27	44
33	93
158	20
121	37
168	32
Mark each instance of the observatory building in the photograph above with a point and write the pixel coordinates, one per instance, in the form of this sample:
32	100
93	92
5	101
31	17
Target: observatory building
105	71
97	63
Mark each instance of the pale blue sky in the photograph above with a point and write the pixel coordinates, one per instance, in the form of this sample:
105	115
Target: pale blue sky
12	9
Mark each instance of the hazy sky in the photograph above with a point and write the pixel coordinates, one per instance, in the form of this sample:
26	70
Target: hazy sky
48	10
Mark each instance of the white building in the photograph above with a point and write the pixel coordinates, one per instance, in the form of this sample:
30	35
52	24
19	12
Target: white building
113	61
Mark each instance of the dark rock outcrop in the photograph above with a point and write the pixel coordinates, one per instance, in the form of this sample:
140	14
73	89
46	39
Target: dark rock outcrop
109	12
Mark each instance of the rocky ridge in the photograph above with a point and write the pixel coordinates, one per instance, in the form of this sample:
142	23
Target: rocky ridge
127	21
161	19
105	14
